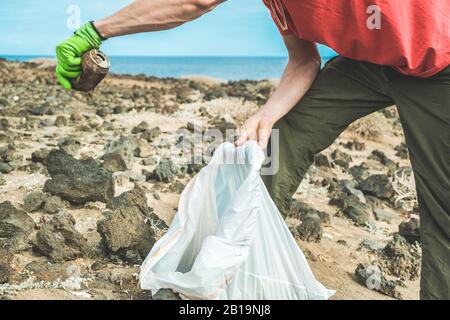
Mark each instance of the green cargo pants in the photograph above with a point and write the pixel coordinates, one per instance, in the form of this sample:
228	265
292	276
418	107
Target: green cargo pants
346	90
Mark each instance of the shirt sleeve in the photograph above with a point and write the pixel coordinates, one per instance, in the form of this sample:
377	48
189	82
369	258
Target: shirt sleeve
283	31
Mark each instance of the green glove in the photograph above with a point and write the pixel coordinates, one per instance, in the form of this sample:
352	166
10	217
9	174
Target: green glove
70	51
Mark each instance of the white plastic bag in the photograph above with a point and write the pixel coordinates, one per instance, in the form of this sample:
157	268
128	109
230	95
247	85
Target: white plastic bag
228	239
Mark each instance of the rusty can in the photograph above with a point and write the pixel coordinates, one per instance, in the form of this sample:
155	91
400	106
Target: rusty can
94	68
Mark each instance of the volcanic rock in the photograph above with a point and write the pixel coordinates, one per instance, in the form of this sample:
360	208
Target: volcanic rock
77	181
410	230
360	172
59	240
40	155
114	162
142	127
6	269
341	158
53	205
402	151
401	259
61	121
33	201
311	228
378	185
150	135
15	227
165	171
321	160
129	224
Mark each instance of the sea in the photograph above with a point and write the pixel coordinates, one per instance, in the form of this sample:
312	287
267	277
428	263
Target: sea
221	68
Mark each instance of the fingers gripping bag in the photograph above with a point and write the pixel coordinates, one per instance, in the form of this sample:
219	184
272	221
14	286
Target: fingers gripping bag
228	240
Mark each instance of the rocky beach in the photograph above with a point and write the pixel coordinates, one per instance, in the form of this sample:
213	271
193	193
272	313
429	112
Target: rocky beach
89	182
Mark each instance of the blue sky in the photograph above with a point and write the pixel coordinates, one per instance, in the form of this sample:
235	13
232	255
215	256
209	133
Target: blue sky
236	28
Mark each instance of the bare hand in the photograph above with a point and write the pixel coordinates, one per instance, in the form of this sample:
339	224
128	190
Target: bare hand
257	128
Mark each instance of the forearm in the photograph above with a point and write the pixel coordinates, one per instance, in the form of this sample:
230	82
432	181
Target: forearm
296	80
153	15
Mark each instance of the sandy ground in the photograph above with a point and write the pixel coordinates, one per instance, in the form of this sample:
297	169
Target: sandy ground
333	263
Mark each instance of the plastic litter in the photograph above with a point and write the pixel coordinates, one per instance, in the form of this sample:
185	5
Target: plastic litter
228	239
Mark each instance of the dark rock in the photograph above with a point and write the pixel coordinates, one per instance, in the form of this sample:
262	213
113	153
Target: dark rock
165	171
355	145
384	215
103	112
166	294
40	110
48	272
61	121
410	230
215	93
9	153
341	158
53	205
150	135
330	183
15	227
142	127
119	110
401	259
4	124
129	224
40	155
70	145
381	157
300	210
6	269
350	188
114	162
342	242
370	245
59	240
125	147
98	265
379	186
321	160
34	201
361	214
3	102
133	257
371	277
311	228
77	181
196	164
5	168
402	151
176	187
360	172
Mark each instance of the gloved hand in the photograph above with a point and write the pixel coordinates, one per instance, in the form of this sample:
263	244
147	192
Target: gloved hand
70	51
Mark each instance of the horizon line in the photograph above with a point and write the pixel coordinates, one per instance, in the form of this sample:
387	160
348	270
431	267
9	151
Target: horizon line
150	56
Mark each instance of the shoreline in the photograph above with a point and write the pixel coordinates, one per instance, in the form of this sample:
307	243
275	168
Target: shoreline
213	69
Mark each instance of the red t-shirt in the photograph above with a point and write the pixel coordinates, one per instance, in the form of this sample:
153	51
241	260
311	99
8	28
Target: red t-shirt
413	36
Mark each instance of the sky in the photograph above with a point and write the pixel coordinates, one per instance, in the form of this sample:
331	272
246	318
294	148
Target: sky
235	28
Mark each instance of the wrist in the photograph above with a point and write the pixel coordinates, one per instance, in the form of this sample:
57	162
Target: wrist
98	31
268	115
90	35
